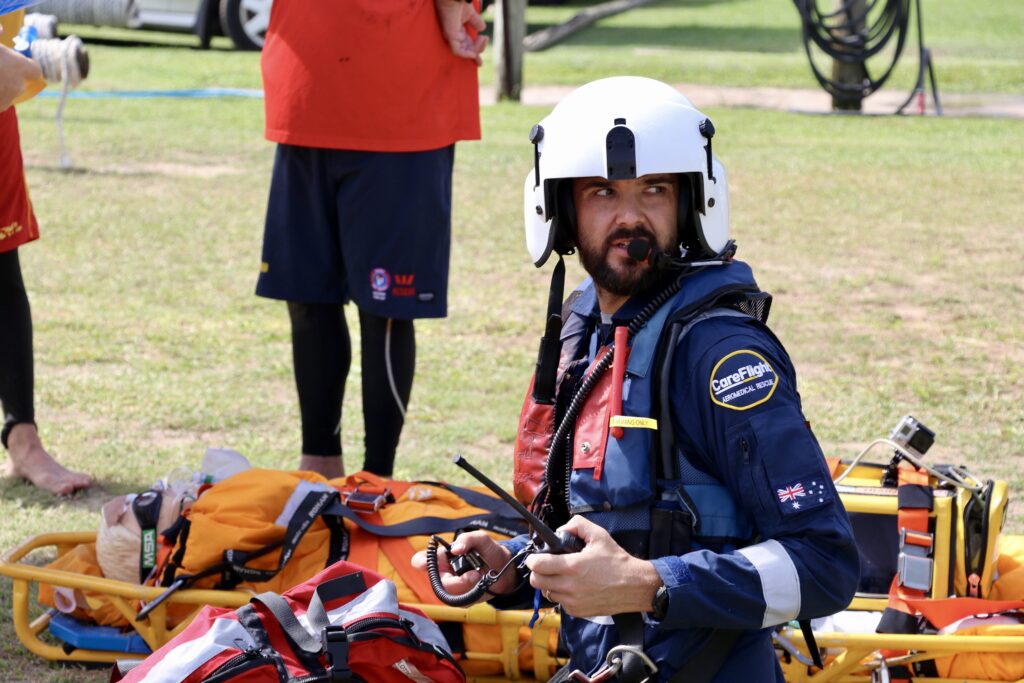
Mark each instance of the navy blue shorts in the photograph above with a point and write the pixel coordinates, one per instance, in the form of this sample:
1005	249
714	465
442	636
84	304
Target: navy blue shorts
369	227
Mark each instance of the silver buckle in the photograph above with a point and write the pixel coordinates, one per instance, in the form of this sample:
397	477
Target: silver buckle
914	565
914	572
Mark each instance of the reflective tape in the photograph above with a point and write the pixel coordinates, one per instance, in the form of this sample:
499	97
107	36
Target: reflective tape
780	583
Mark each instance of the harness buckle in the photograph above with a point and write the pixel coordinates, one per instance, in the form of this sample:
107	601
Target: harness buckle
613	665
367	501
914	565
605	673
918	543
334	641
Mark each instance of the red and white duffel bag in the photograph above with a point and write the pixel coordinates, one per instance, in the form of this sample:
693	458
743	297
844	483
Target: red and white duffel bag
344	624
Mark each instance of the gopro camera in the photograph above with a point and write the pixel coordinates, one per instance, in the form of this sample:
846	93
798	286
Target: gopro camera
912	435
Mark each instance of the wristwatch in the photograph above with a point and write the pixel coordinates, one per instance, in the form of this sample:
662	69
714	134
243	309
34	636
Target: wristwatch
659	606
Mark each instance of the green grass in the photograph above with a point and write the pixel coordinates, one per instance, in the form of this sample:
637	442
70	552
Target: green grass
891	244
976	49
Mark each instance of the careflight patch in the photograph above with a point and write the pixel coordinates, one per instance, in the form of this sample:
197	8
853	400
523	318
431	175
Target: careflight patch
742	380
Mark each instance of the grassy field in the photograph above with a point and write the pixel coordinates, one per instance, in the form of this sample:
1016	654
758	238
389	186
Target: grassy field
892	246
976	48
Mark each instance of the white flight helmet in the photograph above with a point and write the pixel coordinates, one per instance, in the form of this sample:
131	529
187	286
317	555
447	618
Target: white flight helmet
620	128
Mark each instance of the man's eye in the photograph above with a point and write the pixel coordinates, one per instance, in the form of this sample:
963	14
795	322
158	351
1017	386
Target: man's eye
656	189
604	192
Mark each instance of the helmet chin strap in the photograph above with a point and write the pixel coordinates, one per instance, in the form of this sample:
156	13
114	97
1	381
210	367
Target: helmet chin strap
546	373
544	379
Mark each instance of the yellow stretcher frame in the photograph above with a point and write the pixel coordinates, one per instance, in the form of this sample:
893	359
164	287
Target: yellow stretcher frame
860	654
156	632
854	655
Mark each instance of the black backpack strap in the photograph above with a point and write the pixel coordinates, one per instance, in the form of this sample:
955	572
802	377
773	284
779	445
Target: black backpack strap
478	499
315	504
677	327
420	526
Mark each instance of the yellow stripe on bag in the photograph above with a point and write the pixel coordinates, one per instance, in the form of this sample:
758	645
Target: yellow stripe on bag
630	421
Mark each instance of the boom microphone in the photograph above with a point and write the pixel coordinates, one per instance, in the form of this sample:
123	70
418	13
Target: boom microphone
644	251
639	250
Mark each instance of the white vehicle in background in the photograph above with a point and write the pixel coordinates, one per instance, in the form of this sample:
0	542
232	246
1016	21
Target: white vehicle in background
244	21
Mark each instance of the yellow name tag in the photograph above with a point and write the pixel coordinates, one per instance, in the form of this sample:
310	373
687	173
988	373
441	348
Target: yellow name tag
630	421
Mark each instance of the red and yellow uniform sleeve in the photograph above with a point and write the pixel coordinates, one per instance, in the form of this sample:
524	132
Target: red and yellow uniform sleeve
17	220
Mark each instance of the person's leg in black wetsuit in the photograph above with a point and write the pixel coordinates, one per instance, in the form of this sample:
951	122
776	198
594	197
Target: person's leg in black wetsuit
388	348
19	436
322	353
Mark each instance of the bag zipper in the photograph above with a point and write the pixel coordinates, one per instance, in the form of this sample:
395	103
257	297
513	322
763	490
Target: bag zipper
232	667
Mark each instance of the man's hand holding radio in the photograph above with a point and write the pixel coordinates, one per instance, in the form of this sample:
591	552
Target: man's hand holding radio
601	579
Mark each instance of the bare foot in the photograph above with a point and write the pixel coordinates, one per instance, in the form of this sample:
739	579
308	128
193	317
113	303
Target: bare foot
29	460
330	466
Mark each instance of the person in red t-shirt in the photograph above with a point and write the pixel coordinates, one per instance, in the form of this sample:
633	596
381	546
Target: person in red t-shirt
20	77
365	101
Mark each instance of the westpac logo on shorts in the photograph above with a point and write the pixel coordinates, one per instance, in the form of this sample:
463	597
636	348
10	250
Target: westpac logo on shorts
741	380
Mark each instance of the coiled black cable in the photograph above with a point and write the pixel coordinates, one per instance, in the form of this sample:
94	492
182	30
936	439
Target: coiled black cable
854	33
434	574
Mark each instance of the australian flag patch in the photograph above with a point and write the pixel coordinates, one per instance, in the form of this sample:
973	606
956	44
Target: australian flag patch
804	494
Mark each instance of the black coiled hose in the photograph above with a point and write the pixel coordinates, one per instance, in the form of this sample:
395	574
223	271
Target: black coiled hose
560	441
855	32
434	574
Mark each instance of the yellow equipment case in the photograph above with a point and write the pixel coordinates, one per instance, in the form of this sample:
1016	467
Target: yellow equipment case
941	567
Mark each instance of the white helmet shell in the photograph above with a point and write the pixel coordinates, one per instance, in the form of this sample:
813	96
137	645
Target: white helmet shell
663	133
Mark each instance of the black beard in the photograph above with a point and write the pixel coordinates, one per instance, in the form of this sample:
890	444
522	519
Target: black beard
621	284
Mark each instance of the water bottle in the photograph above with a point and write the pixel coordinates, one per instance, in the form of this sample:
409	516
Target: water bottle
23	42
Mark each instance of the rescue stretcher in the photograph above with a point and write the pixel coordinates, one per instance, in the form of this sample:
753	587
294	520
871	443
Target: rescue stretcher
870	497
155	631
851	656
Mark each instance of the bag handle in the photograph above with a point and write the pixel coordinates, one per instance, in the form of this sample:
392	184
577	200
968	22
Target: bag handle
316	613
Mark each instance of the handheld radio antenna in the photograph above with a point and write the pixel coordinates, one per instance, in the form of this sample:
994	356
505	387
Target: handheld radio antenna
549	537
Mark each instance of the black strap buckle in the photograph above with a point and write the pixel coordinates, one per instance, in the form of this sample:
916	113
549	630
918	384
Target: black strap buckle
334	640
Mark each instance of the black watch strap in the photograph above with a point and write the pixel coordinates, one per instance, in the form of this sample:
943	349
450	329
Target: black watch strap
659	606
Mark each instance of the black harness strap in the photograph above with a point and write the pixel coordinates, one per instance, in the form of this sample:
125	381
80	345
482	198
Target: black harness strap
812	644
705	663
631	634
546	375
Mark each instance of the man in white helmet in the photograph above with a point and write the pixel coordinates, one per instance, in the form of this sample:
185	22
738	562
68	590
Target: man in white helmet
663	427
